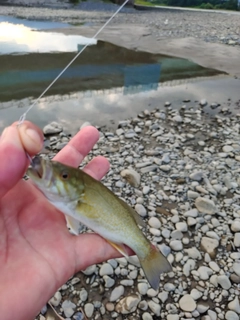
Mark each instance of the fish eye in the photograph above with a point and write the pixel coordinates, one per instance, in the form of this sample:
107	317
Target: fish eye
65	175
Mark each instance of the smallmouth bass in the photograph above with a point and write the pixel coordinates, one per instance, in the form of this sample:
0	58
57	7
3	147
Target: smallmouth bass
82	198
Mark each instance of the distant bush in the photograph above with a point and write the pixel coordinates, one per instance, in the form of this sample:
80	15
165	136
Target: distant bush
74	1
206	6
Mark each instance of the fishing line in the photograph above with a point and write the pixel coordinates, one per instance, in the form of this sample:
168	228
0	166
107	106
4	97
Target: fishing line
23	116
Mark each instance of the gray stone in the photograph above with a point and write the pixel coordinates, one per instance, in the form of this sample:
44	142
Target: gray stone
234	305
88	309
147	316
141	210
236	240
68	308
56	299
128	304
231	315
106	269
235	226
209	245
83	295
205	205
90	270
109	282
116	293
52	128
142	288
204	272
154	222
154	307
176	245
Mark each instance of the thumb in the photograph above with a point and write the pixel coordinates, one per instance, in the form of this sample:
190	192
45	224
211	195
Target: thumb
14	143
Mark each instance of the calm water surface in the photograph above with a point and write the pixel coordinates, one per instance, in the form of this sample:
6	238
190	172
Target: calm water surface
105	82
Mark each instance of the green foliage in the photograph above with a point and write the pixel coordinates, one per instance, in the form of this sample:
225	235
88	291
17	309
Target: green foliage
202	4
74	1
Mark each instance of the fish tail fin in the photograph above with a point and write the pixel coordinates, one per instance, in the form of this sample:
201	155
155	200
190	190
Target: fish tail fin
153	265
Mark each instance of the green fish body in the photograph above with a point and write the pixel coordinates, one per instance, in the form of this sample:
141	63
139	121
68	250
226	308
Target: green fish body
82	198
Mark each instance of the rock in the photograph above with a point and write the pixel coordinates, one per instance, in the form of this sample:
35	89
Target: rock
88	309
205	205
195	294
214	266
196	176
90	270
128	304
231	315
154	307
132	177
186	303
141	210
172	317
224	282
176	245
163	296
227	149
154	222
83	295
235	226
109	282
181	226
191	213
193	253
52	128
68	308
209	245
116	293
169	287
192	194
56	299
188	267
212	314
142	288
204	272
177	119
165	167
106	269
202	307
236	268
203	102
147	316
236	240
234	305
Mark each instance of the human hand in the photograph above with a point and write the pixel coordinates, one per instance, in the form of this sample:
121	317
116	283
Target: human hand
37	253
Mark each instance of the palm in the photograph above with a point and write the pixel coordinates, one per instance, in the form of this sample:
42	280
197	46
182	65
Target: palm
38	254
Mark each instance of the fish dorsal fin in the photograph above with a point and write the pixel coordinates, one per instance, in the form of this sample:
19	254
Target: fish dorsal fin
135	215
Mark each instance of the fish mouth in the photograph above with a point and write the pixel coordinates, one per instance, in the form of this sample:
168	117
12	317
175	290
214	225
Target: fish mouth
40	170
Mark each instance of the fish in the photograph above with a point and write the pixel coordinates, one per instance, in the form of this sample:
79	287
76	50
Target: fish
81	198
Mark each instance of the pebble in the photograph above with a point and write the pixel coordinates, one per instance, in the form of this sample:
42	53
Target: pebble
52	128
142	288
235	226
56	299
128	304
154	222
236	240
147	316
141	210
116	293
132	177
172	317
88	309
224	282
234	305
182	226
209	245
205	205
68	308
187	303
154	307
204	272
231	315
83	294
176	245
106	269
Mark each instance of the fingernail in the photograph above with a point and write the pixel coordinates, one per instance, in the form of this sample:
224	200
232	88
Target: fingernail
34	136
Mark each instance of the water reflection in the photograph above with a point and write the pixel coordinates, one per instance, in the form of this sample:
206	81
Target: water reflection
21	39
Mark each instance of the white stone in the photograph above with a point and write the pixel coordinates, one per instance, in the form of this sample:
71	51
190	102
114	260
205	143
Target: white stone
152	293
83	295
196	176
204	272
224	282
147	316
109	282
236	268
213	265
132	177
186	303
90	270
205	205
227	149
128	304
202	307
142	288
172	317
212	314
195	294
88	309
235	226
106	269
154	307
231	315
154	222
182	226
116	293
163	296
52	128
193	253
192	194
176	245
188	267
236	240
141	210
234	305
191	213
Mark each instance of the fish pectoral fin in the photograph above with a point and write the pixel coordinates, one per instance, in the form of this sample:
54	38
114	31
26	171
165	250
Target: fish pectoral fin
119	247
73	225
